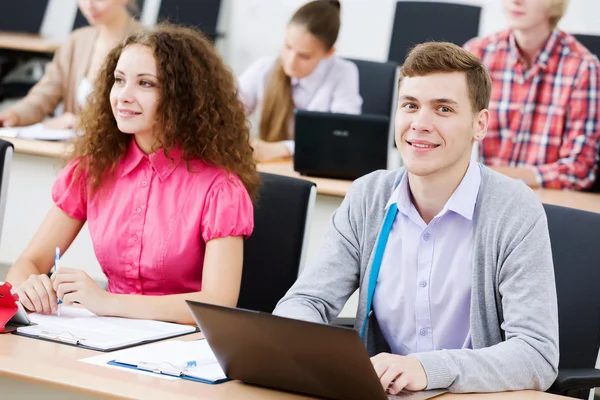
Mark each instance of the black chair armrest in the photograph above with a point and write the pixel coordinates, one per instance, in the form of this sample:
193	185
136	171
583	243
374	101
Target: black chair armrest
570	379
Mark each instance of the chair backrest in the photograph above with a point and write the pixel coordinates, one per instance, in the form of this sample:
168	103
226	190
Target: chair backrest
80	20
574	236
22	15
592	43
203	14
422	21
377	86
275	251
6	153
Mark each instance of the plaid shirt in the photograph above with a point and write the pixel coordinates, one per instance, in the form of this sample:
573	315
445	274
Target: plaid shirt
545	116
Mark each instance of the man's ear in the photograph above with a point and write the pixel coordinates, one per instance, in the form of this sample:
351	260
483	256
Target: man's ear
480	123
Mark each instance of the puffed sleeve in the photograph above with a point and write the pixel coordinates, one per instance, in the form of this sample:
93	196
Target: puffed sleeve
228	210
69	191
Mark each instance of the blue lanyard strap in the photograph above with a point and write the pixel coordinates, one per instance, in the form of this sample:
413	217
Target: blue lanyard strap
382	240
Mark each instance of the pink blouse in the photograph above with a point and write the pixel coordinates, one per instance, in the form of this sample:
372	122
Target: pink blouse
149	227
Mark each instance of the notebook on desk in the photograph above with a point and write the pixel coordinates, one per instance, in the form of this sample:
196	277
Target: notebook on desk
79	327
192	360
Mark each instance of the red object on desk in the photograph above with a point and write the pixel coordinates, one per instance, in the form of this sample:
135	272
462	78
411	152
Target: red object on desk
8	306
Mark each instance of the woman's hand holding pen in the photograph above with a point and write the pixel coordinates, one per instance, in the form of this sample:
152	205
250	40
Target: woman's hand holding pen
74	285
37	294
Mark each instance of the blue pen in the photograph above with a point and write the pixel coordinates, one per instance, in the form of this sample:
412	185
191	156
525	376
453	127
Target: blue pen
56	267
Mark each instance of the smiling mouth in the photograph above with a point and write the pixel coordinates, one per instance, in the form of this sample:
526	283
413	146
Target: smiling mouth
423	145
128	113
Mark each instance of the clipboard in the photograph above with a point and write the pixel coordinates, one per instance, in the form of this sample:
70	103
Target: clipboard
79	327
12	313
166	358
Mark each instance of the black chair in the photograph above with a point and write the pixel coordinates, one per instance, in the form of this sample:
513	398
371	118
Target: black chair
80	20
275	251
6	154
377	86
592	43
574	237
203	14
417	22
22	16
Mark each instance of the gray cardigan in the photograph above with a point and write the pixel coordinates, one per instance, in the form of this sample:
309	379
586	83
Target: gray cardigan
514	317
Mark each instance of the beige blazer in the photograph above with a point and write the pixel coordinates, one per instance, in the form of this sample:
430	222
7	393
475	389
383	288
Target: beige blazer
62	77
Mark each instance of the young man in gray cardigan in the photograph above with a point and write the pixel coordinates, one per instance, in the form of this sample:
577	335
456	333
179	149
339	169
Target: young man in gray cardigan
452	259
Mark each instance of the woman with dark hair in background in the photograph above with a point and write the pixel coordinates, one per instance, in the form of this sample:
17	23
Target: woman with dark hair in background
307	75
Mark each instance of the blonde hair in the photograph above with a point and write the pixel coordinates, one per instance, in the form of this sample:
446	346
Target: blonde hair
557	10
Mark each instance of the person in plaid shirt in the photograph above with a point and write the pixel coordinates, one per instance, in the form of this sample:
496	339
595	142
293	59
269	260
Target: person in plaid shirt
544	111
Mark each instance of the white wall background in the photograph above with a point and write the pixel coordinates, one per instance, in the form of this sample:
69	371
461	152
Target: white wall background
254	28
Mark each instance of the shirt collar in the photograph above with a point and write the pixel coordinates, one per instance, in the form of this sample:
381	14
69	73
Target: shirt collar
541	59
160	162
313	81
462	201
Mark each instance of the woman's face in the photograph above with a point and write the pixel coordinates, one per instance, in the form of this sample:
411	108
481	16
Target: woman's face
101	12
135	92
302	52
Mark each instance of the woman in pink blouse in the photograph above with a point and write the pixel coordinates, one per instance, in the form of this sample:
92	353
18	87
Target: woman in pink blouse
307	75
164	177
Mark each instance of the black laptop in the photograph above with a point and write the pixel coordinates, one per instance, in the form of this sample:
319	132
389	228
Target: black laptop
340	146
315	359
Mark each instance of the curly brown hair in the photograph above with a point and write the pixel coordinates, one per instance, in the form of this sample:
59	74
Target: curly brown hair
198	109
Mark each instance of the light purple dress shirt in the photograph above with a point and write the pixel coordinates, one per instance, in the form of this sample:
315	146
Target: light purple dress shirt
331	87
423	292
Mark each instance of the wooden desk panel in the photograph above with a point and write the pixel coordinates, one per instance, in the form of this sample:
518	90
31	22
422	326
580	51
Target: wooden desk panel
28	42
40	147
42	363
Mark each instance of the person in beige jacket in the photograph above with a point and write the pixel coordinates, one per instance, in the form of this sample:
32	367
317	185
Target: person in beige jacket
68	78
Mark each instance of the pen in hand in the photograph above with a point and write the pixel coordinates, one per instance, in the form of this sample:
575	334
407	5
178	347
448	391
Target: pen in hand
56	267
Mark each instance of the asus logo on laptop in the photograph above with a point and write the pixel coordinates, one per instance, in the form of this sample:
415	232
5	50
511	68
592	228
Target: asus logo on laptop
341	133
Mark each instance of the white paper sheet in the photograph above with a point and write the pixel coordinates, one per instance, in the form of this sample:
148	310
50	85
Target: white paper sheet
102	333
171	354
38	132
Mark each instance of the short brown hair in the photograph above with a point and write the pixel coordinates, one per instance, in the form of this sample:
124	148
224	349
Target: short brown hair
198	108
435	57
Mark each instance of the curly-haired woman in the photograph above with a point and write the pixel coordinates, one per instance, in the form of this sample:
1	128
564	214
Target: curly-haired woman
164	176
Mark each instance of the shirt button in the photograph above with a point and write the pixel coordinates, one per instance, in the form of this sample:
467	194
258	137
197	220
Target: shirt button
423	283
427	236
144	183
139	210
135	238
423	332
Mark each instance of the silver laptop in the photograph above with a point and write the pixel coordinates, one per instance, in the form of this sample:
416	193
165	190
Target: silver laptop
297	356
